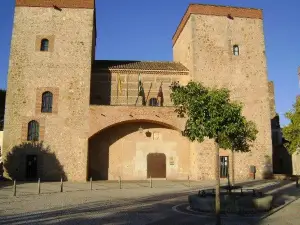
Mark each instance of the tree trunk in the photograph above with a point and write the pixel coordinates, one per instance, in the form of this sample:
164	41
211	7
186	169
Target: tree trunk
232	169
218	205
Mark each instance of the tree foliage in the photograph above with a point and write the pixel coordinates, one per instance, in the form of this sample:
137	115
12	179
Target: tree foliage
210	113
291	132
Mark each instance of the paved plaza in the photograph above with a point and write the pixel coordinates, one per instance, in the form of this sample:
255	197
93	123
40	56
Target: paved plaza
136	203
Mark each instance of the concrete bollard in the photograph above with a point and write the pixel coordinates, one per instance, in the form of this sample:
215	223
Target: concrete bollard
150	182
61	185
15	188
39	186
91	183
120	182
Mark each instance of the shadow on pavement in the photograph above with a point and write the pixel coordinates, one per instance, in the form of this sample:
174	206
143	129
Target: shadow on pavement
150	210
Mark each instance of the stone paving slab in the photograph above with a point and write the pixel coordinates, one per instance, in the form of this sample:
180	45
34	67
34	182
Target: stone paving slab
134	205
26	189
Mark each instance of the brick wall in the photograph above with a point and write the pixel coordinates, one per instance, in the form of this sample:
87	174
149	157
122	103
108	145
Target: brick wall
102	117
88	4
105	90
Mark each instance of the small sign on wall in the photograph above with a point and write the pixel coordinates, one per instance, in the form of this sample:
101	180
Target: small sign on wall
156	136
171	160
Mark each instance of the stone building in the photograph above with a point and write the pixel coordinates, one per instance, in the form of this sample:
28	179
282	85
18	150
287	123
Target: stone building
282	160
110	118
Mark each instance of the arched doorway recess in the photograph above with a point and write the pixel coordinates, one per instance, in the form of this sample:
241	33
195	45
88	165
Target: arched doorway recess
126	149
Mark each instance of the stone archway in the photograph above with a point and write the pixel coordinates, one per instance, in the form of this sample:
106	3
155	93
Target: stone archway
156	165
122	150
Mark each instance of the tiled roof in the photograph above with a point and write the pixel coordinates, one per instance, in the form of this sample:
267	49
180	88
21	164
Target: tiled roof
138	65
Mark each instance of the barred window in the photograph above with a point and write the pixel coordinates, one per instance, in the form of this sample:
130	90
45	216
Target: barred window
236	50
47	100
44	45
33	131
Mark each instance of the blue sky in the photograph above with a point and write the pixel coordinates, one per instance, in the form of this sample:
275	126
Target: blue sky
143	30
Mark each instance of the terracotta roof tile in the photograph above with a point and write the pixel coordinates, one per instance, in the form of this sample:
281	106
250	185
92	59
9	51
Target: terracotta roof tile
138	65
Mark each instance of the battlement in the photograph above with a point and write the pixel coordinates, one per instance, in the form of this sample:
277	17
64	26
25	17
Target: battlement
216	10
86	4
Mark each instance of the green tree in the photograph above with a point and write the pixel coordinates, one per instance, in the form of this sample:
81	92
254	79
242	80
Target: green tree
291	132
210	113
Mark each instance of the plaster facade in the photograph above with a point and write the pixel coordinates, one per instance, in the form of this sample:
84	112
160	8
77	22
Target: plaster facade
100	126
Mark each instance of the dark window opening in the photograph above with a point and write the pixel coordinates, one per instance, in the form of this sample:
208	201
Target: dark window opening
153	102
236	50
47	100
224	166
33	131
31	167
44	45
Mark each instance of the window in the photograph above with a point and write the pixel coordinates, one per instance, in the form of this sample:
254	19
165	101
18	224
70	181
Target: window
47	99
236	50
224	166
44	45
153	102
33	131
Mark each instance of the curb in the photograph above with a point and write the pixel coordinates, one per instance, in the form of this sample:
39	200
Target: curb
273	211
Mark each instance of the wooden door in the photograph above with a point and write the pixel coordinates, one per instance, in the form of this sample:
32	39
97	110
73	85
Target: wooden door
156	165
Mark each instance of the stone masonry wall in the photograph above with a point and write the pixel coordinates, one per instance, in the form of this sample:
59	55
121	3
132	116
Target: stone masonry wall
183	50
1	141
65	70
272	99
245	76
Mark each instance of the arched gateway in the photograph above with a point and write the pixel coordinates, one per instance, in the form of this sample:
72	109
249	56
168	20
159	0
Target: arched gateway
136	150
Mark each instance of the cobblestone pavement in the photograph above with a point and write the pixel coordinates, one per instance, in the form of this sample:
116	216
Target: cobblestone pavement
134	204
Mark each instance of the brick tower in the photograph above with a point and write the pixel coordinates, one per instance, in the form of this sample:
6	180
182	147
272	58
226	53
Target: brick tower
224	47
52	50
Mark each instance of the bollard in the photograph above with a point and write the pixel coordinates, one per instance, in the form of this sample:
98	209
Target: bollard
61	185
189	181
91	183
150	182
39	186
297	182
15	188
120	182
